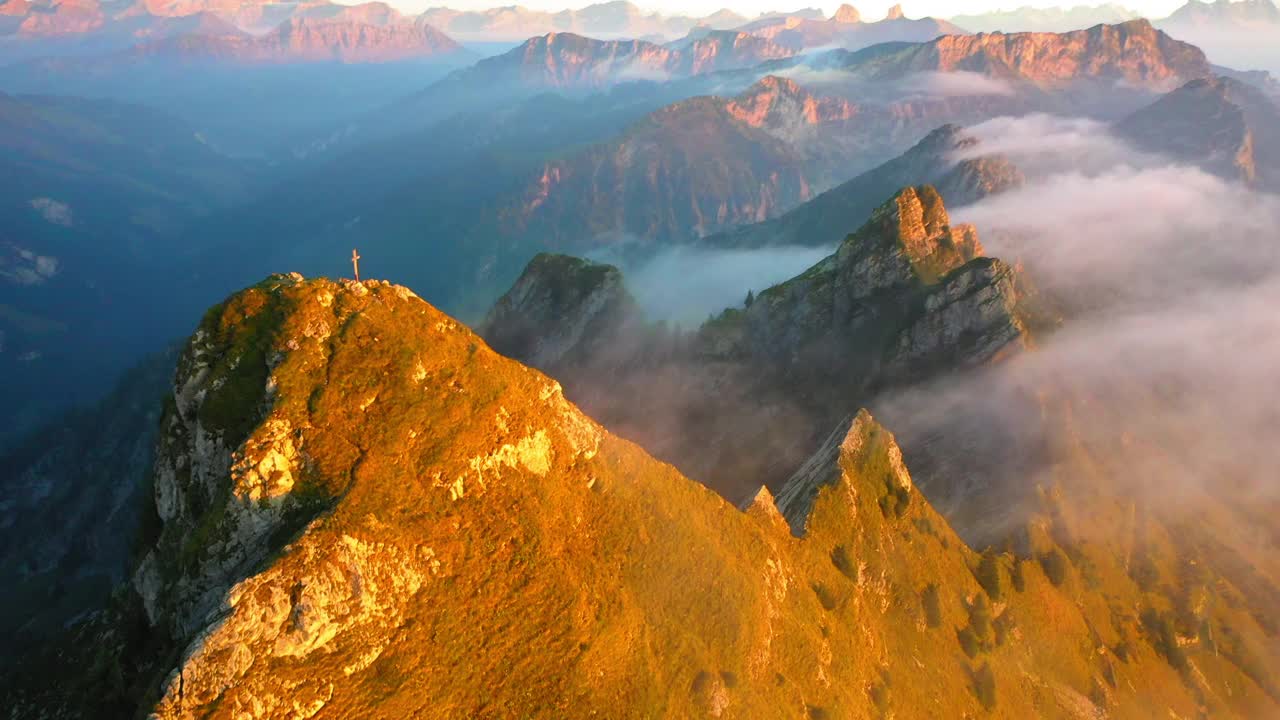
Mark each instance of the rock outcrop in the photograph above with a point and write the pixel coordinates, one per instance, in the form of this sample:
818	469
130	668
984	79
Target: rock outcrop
561	310
905	294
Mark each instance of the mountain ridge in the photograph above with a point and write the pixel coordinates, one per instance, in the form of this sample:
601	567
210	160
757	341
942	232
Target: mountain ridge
519	528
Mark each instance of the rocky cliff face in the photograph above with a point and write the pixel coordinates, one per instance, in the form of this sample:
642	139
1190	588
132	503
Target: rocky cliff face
1225	126
905	292
1134	53
467	539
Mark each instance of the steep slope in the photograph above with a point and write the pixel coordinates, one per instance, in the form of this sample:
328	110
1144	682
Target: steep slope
827	217
366	512
1225	126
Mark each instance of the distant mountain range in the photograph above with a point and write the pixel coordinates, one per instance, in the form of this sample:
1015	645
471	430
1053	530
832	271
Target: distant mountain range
374	31
603	20
1054	19
1242	34
275	33
847	29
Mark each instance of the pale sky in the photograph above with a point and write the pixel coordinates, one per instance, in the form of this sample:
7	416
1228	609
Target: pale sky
871	9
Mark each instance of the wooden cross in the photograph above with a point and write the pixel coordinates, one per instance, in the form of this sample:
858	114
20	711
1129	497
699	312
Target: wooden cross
355	263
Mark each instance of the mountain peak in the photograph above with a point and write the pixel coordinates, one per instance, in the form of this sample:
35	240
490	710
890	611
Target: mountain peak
560	308
859	444
1134	51
916	221
895	13
779	103
1221	124
915	214
847	14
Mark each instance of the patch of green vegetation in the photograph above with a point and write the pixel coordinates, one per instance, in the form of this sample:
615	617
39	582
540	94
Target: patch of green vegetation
932	606
879	694
1163	637
988	575
826	597
241	336
980	619
1055	566
569	277
984	686
842	562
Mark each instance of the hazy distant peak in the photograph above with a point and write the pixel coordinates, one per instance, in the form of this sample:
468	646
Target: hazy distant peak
847	14
895	13
1225	11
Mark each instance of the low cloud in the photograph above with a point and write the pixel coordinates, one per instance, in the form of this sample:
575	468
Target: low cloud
954	84
1041	144
636	71
1169	280
685	286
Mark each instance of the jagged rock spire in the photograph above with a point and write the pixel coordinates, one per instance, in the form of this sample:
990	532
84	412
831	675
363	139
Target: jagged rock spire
895	13
854	445
914	239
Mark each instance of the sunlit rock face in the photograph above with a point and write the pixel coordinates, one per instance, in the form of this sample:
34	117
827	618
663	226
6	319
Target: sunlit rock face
904	288
1134	52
